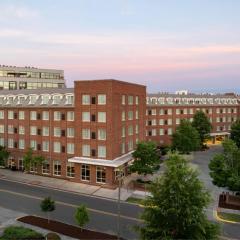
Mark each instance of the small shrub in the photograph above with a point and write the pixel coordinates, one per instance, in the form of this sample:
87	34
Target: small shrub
81	216
21	233
52	236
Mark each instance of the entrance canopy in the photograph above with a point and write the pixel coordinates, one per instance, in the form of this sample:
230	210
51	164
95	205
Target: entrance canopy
219	134
117	162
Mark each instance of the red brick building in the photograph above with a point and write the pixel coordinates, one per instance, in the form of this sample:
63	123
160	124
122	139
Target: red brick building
85	133
88	132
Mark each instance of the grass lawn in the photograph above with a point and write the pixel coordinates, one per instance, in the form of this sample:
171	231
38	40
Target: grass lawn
229	216
135	200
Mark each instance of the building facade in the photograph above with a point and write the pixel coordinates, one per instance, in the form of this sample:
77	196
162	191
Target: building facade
87	133
12	78
165	112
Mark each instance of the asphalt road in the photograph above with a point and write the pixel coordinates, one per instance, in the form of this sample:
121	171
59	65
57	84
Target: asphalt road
201	160
103	212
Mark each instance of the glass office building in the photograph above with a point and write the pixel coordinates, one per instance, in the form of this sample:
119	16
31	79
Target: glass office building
13	78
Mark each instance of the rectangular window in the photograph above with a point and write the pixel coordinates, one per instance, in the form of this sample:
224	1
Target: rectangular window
161	132
130	145
56	147
130	100
123	150
101	99
33	115
137	100
45	115
102	117
85	172
136	114
161	112
123	116
101	175
70	116
45	146
10	129
85	99
86	116
21	143
46	167
102	135
1	128
21	115
136	129
123	131
57	168
57	132
33	144
86	150
70	170
130	130
1	114
177	111
123	99
70	132
21	130
70	148
169	131
57	116
102	151
45	131
10	114
85	133
10	143
33	130
130	115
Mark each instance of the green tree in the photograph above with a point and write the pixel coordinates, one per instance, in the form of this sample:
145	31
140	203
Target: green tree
32	161
4	154
203	126
38	161
28	159
186	138
47	205
81	216
176	207
235	132
225	167
146	158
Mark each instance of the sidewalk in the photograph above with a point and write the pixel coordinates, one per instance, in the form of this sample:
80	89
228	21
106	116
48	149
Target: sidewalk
9	218
64	185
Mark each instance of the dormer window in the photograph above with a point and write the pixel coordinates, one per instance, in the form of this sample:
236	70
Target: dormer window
69	99
45	99
21	99
56	99
32	99
1	100
10	100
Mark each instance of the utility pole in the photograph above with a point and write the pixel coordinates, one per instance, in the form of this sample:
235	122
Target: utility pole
120	177
119	210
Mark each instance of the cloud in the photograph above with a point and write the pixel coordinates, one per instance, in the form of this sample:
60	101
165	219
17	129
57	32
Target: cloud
12	11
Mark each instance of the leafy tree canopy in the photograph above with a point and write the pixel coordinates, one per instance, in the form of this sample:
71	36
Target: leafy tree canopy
175	209
202	125
4	154
235	132
146	158
225	167
81	216
186	138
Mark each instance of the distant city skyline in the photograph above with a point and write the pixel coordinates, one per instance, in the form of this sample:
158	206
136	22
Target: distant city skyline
165	45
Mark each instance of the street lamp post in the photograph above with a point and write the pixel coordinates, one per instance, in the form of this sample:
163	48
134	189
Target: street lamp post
120	177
